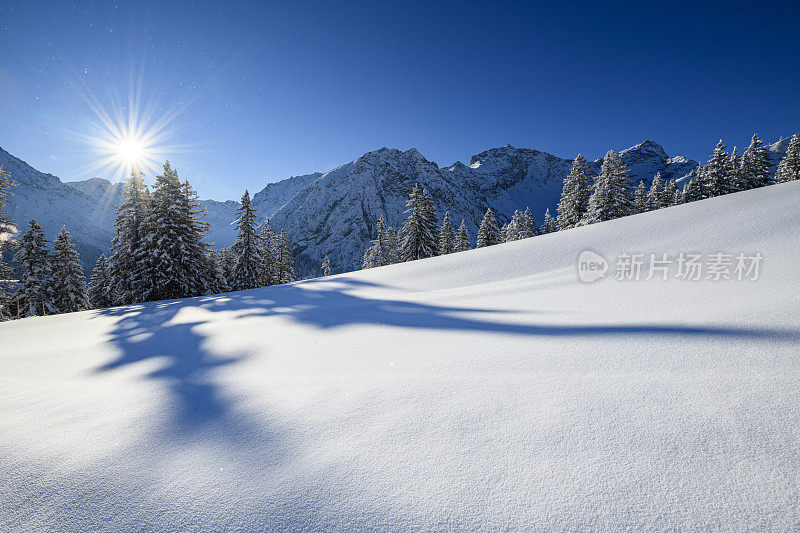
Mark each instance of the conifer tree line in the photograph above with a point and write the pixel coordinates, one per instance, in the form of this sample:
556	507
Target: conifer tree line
585	199
158	252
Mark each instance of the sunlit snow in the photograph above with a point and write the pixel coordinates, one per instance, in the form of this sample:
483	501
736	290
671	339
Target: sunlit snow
484	390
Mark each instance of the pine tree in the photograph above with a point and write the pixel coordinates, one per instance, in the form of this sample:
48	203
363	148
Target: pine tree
194	259
216	283
516	229
549	225
247	249
574	194
735	168
488	233
641	198
391	246
326	267
267	243
655	197
173	260
529	224
755	165
463	242
70	292
34	296
718	172
284	262
418	237
671	194
128	249
381	252
504	233
7	232
610	198
789	167
692	191
447	236
100	284
228	264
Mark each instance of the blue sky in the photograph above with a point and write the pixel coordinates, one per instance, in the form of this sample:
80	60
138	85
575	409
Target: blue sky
261	91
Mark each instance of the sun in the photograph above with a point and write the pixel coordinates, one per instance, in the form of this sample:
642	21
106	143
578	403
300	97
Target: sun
133	133
131	152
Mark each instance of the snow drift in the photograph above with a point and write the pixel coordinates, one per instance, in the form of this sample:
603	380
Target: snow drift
483	390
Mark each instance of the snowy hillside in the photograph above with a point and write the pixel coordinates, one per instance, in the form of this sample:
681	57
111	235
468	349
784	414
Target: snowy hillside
485	390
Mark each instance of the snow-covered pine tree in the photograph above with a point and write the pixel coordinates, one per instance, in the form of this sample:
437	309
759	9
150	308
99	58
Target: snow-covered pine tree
611	198
463	242
172	260
718	172
516	229
267	243
34	295
128	250
488	232
70	292
100	284
574	194
655	197
418	237
789	167
641	198
671	194
326	266
228	263
447	236
247	248
195	259
735	169
529	224
215	277
284	262
549	225
391	251
755	165
504	233
7	232
375	256
692	190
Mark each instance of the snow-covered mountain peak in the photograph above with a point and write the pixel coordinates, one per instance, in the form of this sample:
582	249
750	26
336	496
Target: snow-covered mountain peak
645	149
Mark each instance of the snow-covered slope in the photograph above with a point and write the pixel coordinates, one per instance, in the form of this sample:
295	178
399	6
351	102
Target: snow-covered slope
486	390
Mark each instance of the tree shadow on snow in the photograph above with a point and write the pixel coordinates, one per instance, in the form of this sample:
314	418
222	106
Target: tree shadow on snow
148	331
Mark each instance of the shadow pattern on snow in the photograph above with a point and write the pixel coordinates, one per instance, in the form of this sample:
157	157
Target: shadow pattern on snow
147	331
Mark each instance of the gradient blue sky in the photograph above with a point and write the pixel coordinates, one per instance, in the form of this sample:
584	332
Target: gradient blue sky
268	90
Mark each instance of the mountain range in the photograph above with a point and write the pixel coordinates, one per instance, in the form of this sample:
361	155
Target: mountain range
334	213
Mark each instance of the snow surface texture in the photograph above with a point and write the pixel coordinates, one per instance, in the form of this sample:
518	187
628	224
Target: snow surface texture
483	390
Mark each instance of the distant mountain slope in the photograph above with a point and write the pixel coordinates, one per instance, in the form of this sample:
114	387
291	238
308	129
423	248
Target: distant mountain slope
334	213
221	215
82	209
